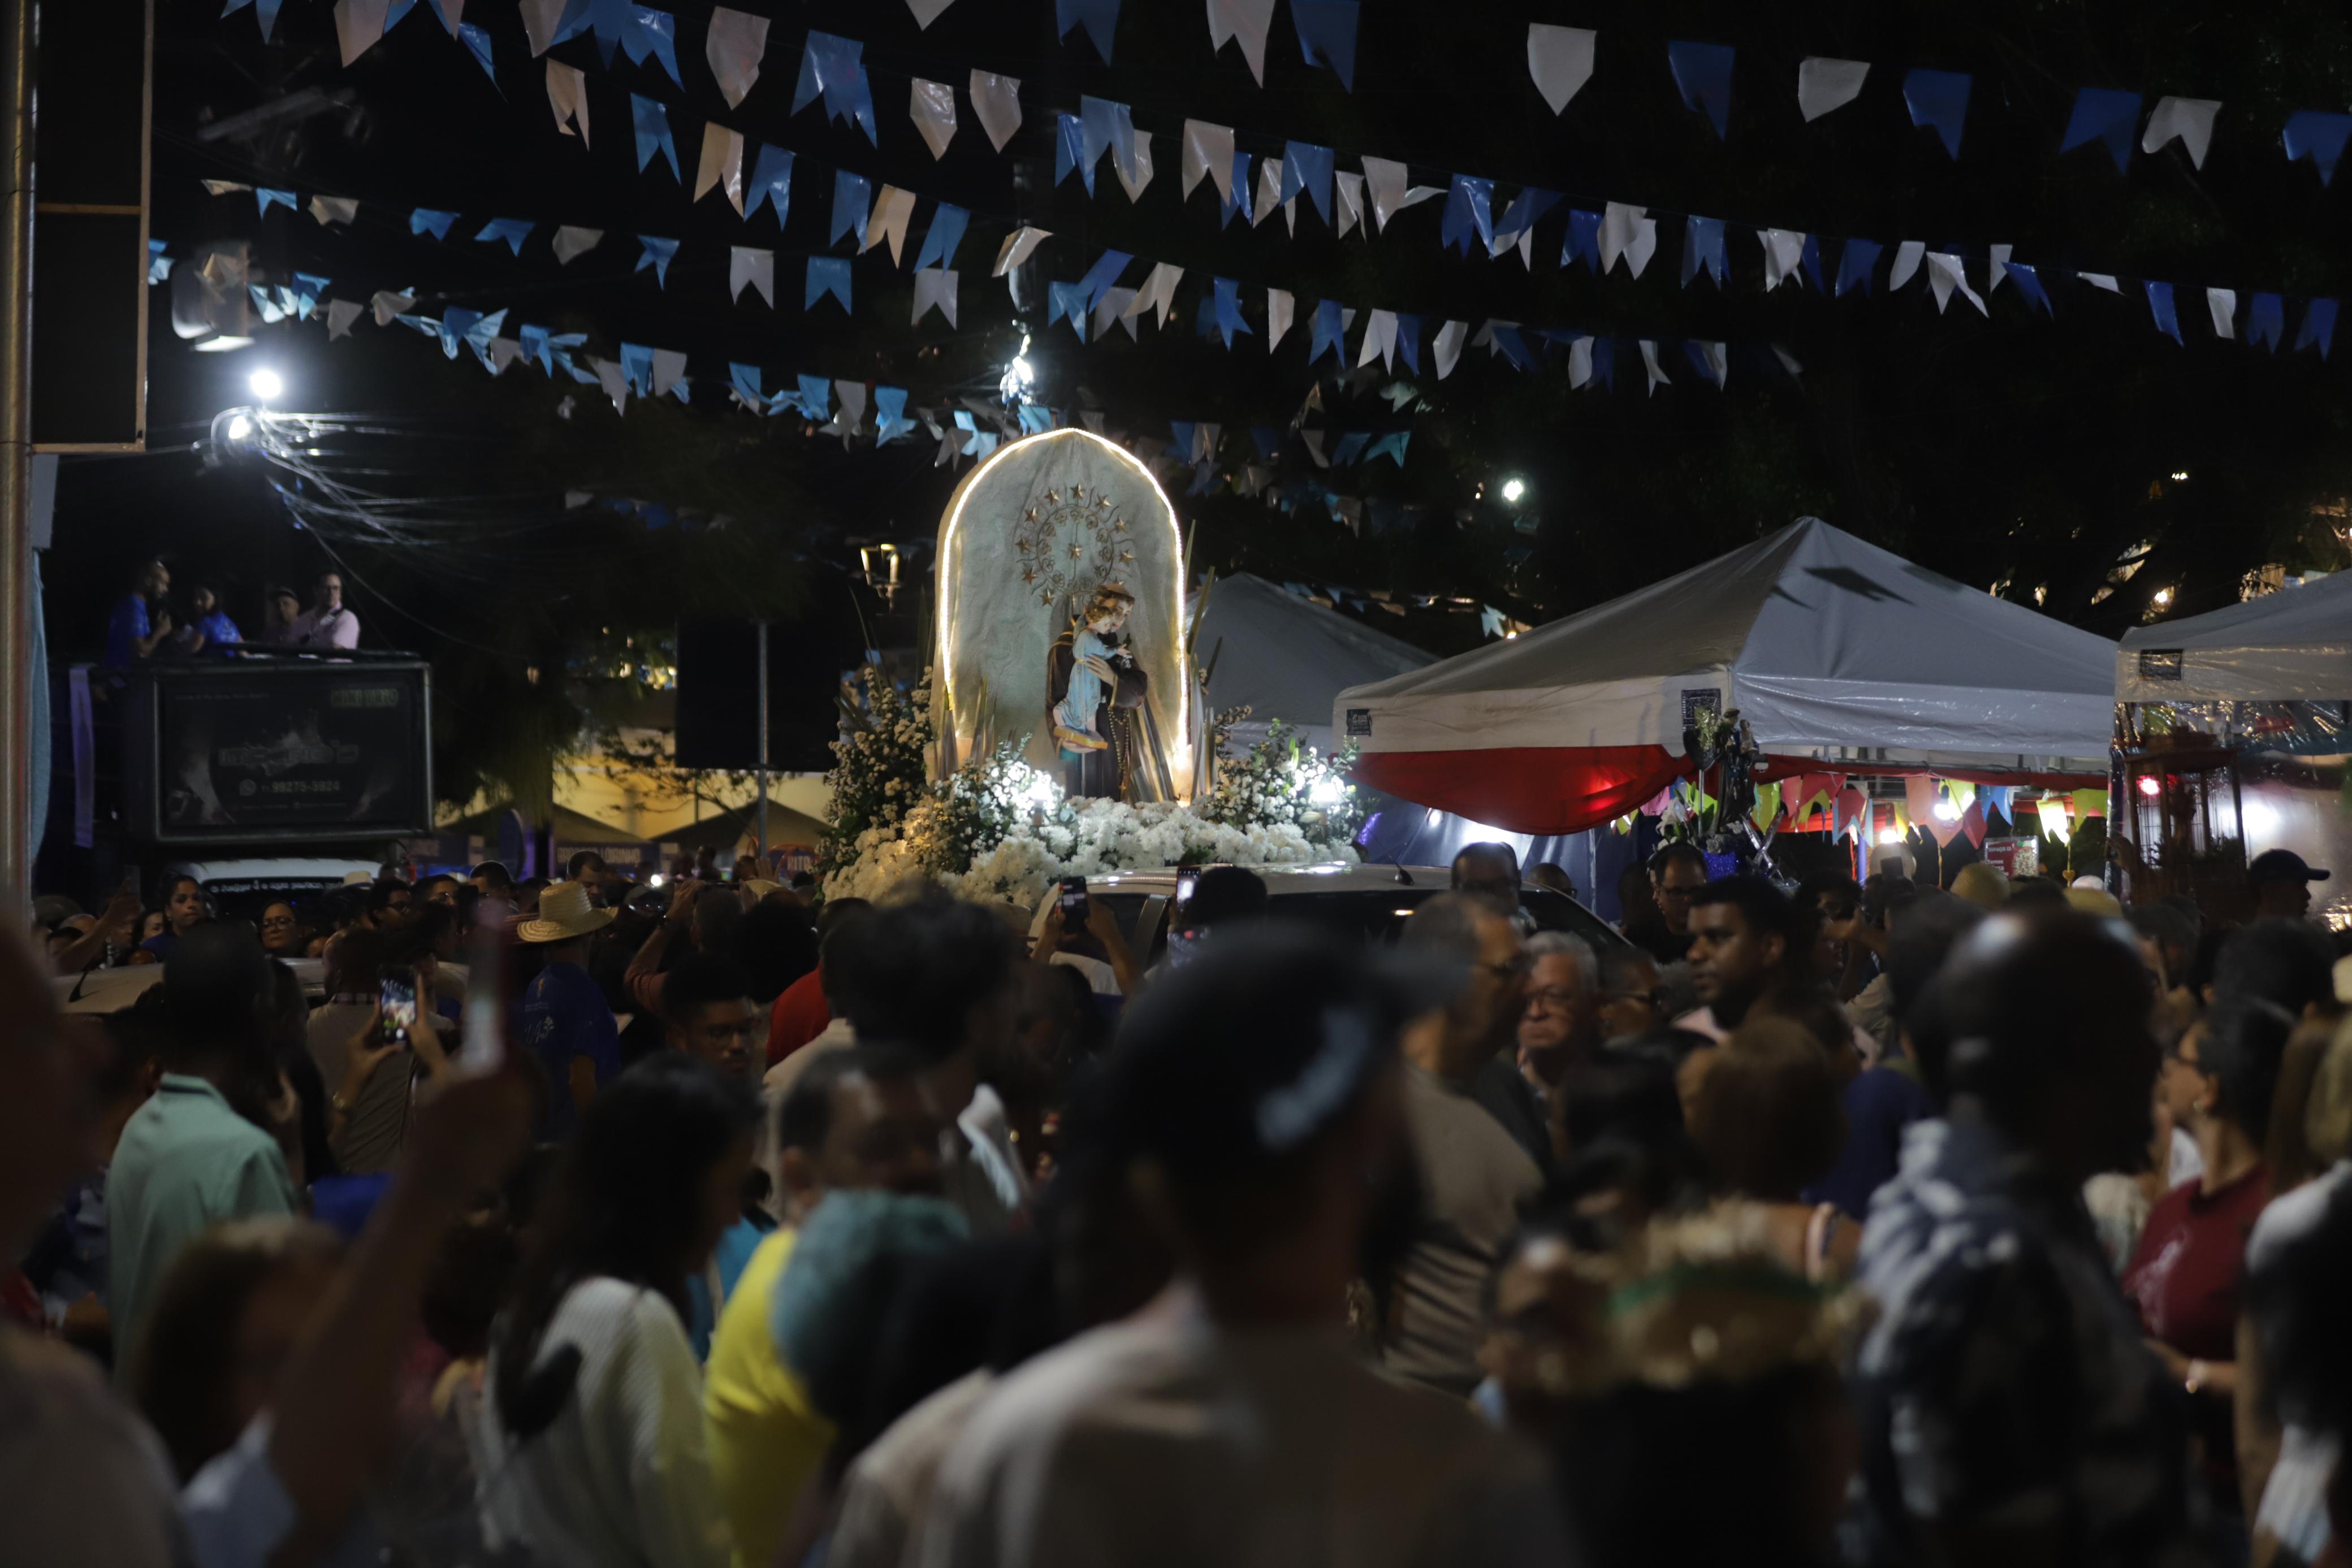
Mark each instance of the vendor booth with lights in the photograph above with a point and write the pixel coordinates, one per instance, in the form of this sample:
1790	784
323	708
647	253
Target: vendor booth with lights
2233	730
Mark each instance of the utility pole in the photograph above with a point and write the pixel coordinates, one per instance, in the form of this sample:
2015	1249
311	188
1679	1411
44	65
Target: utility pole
762	624
16	46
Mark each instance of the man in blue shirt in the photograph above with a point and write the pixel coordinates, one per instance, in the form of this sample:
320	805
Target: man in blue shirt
140	622
566	1022
214	632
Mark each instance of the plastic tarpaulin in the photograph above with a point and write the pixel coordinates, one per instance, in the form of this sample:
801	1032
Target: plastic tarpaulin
1287	658
2293	645
1836	652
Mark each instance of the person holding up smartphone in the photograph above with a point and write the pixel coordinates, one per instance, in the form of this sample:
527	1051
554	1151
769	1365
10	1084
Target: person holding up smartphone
1085	935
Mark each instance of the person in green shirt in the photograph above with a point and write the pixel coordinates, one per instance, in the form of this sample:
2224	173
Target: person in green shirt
195	1154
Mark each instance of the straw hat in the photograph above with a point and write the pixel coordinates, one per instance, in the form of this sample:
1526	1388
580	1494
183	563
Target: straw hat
564	912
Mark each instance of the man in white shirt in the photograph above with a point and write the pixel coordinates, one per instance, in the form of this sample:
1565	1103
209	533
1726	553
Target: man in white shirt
1230	1422
326	624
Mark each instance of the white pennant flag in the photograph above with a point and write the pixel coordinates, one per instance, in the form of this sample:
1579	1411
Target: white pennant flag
1561	61
722	165
1906	262
334	209
1314	440
1209	150
1270	190
567	94
1247	21
1017	246
1718	361
1784	250
927	11
737	43
1823	85
892	210
1657	374
1349	196
1386	181
2106	280
2223	304
614	381
1159	292
1448	346
358	25
539	20
1280	307
340	314
953	439
1114	307
389	305
849	402
1627	232
1997	266
931	106
1379	339
755	267
1945	274
935	287
1579	362
1139	154
2190	119
572	241
504	352
996	104
669	369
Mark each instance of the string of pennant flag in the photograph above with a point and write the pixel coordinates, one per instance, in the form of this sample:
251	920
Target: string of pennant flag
833	70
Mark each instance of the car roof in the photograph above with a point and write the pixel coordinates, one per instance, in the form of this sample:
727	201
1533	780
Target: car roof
1331	876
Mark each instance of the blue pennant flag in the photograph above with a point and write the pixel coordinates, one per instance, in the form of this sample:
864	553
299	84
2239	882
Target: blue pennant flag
853	200
610	19
1391	445
1703	72
398	9
656	255
1204	319
1331	333
891	421
827	275
425	221
2318	327
560	346
835	67
771	181
1527	210
535	346
1513	346
1309	168
1583	242
653	134
1702	247
1036	419
454	325
1856	265
745	378
1604	361
1350	447
1070	152
653	33
2028	279
262	197
1068	299
159	265
2159	305
1240	200
1938	99
1105	127
1809	256
478	44
1204	480
266	13
816	398
1226	300
638	365
477	336
2319	136
308	286
946	232
2103	114
1100	18
1408	341
2266	320
1326	35
1468	211
514	231
1267	439
1182	435
1103	274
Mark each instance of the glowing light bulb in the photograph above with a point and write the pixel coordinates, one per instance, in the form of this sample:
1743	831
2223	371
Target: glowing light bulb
1513	490
267	384
239	427
2150	787
1890	835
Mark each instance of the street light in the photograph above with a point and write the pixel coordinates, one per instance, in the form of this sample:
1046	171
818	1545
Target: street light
1513	490
268	385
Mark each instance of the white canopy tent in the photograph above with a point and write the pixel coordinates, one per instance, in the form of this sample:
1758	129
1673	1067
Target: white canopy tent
1837	652
2289	646
1289	658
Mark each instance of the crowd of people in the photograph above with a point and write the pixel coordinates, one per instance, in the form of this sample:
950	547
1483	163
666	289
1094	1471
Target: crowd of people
143	627
1877	1223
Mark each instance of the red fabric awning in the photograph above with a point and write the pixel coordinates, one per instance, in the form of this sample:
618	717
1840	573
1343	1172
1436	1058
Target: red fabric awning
1541	789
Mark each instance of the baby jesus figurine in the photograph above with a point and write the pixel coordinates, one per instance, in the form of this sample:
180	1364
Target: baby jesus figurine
1096	686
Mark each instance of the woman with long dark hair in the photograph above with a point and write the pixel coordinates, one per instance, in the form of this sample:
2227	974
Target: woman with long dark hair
592	1445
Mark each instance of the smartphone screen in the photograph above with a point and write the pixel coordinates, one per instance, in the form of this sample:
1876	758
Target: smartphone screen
1074	909
396	990
1188	877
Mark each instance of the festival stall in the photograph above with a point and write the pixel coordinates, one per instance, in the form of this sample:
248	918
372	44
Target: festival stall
2233	730
1286	658
1819	656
